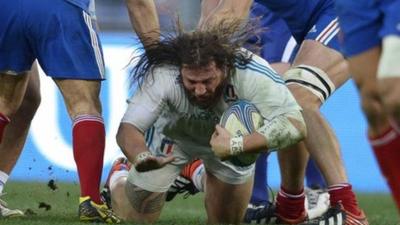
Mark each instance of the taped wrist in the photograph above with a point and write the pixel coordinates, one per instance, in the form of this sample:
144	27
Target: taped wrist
236	145
142	157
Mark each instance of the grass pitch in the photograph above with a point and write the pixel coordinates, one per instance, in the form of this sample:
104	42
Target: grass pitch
60	206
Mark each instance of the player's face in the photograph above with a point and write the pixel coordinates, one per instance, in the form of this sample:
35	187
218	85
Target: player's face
203	85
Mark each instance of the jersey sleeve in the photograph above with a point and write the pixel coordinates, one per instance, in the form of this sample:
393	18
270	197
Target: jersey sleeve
149	100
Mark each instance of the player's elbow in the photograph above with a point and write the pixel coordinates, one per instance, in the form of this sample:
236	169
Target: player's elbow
301	127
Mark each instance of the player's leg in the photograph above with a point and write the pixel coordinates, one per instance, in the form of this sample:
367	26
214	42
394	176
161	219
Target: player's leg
78	76
15	60
363	60
226	203
317	196
84	107
226	185
314	178
317	71
15	135
290	199
389	82
140	196
259	194
133	203
12	91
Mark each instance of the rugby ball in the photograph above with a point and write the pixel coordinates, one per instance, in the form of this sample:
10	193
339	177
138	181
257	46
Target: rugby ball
240	119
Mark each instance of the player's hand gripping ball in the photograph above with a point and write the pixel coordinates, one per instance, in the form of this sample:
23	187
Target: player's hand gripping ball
240	119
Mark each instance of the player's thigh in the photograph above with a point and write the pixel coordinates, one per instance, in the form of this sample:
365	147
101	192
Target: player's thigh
318	68
316	74
146	205
146	192
80	96
321	49
224	180
225	202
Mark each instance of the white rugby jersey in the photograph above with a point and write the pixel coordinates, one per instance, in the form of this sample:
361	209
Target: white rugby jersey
161	101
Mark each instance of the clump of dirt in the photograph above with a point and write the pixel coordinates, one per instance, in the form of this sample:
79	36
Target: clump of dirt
44	205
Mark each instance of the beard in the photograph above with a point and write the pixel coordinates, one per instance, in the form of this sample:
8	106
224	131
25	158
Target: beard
207	101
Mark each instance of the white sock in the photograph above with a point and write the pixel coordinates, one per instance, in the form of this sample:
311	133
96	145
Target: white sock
116	176
197	177
3	180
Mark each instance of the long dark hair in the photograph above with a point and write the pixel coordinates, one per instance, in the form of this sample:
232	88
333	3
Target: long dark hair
220	43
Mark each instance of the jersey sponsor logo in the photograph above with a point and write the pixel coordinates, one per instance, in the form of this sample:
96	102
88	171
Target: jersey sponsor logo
203	115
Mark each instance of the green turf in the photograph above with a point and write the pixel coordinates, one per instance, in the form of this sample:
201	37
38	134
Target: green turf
379	207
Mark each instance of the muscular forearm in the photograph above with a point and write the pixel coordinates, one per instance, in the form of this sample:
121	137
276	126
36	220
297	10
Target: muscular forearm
283	130
131	141
144	20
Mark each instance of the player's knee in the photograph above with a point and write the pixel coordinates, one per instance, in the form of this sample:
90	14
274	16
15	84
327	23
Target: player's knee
306	99
371	104
84	106
8	108
391	101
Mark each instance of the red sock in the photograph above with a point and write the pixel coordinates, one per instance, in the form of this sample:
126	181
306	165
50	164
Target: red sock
343	193
290	206
88	144
387	152
4	120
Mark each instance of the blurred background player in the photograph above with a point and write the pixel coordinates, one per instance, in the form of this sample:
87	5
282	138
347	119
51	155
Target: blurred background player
15	134
48	31
374	65
317	71
182	78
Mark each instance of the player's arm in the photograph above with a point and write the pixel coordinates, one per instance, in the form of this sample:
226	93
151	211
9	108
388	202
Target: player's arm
132	143
144	20
215	11
280	132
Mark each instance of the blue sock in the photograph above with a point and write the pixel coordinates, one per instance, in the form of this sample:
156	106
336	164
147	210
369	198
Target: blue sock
314	177
260	188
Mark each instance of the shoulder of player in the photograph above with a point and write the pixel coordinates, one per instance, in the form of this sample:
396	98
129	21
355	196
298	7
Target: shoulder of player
257	70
